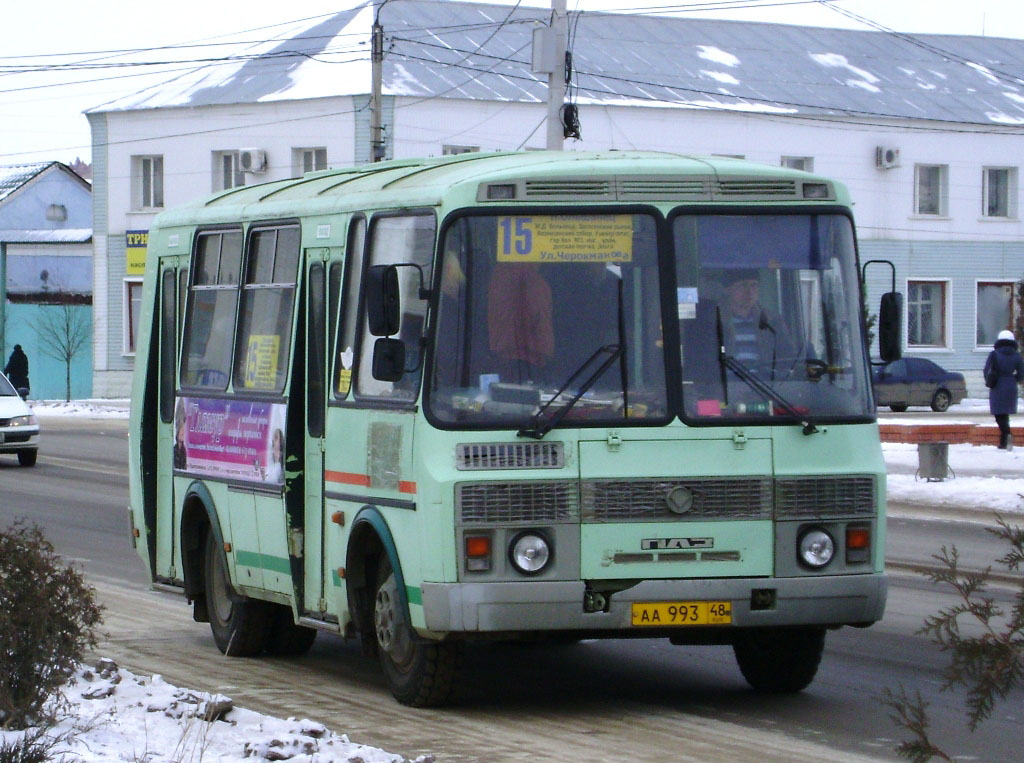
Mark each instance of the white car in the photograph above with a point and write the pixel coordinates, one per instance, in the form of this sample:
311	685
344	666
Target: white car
19	429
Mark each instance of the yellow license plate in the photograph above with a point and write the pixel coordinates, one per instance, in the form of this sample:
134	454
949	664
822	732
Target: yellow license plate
669	613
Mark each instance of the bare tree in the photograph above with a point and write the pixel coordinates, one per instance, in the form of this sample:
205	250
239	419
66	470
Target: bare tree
62	329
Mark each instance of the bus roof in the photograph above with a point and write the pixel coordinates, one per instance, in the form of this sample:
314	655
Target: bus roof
533	176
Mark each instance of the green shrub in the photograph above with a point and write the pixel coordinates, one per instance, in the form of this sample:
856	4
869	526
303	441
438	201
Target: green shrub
48	617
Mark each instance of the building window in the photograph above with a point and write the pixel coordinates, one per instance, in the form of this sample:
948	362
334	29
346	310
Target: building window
453	150
226	172
931	192
804	163
994	311
132	313
926	313
999	192
147	182
308	160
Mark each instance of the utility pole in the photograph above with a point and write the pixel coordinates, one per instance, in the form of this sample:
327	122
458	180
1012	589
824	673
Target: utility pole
556	77
376	68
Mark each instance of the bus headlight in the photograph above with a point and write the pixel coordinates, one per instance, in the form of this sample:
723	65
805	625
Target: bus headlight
529	552
815	548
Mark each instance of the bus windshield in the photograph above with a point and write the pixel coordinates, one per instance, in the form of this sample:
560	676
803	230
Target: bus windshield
768	315
562	310
548	318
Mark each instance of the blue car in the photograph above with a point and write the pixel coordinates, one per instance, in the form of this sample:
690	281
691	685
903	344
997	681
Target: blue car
917	381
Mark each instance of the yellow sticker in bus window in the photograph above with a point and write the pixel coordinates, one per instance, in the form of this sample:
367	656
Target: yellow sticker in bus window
261	361
565	238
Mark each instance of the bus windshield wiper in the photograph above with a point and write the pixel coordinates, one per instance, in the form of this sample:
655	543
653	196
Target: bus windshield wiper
536	428
726	361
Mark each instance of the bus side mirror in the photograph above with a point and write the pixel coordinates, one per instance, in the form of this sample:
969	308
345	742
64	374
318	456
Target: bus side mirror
890	327
388	359
383	301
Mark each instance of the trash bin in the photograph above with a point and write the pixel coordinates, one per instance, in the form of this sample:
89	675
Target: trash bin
933	461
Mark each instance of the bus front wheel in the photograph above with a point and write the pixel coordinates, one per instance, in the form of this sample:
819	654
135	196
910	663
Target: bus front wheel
779	661
239	624
419	673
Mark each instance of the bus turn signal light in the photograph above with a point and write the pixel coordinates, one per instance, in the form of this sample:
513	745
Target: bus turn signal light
478	553
858	544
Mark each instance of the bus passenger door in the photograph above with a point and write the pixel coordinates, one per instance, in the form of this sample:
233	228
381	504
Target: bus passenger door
316	407
167	313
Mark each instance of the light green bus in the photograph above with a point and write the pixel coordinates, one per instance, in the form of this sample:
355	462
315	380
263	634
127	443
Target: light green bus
533	395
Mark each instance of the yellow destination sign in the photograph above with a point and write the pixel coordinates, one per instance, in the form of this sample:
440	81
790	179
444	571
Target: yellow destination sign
565	238
261	361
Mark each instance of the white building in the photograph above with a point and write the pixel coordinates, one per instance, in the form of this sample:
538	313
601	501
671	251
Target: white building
926	131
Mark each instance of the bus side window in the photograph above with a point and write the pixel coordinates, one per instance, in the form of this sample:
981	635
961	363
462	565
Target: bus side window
345	347
209	322
315	340
400	239
265	315
168	343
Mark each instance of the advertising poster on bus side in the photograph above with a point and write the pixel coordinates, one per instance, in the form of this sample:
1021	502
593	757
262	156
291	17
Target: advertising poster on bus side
230	439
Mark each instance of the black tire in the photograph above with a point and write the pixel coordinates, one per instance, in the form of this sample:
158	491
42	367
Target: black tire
239	624
27	457
285	637
941	400
779	661
419	673
898	407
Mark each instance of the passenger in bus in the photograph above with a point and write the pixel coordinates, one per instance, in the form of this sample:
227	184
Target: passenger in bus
519	327
586	317
755	337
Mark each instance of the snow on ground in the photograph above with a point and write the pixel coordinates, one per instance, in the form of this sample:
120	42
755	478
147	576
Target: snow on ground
113	409
116	715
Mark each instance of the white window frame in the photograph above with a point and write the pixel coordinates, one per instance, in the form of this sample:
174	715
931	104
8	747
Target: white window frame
978	283
453	150
309	159
128	338
803	163
947	322
1011	192
147	182
217	166
942	191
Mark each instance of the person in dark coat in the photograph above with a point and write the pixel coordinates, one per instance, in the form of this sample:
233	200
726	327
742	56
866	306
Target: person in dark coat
16	369
1004	370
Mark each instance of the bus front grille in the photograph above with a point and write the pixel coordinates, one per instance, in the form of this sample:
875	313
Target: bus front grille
541	501
664	500
509	455
826	496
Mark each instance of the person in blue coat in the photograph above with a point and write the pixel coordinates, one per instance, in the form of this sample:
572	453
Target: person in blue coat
1004	370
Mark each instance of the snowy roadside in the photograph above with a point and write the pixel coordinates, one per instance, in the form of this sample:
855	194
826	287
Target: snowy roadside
116	715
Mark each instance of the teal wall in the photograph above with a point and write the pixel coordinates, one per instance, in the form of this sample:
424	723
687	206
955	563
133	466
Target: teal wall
45	373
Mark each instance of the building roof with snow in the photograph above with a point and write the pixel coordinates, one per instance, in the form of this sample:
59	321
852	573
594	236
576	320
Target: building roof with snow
436	49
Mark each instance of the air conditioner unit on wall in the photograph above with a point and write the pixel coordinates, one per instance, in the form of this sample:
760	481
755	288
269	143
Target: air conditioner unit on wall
887	157
252	160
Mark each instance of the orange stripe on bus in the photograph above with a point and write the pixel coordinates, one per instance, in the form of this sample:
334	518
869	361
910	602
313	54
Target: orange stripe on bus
363	480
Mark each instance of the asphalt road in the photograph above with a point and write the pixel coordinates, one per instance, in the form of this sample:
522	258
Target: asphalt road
597	700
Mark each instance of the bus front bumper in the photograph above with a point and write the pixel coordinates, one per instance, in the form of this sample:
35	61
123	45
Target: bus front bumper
559	605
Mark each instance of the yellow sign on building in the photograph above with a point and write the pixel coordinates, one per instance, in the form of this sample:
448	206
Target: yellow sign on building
135	245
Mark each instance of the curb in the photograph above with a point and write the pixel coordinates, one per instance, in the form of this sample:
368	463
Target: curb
923	570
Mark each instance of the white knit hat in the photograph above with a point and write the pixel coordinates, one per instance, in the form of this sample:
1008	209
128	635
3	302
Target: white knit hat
1005	334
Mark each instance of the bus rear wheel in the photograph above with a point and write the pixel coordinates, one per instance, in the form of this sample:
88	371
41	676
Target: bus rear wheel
239	624
419	673
780	660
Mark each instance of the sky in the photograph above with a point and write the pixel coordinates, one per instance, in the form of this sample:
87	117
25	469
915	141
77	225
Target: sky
41	115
